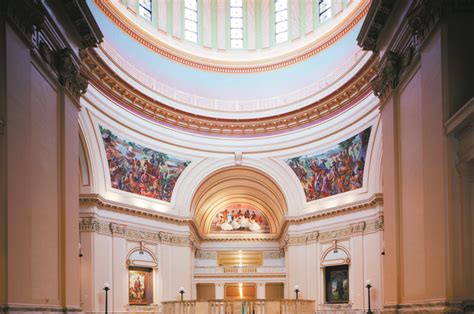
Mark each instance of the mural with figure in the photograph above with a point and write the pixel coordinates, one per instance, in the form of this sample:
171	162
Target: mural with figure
140	170
240	218
337	170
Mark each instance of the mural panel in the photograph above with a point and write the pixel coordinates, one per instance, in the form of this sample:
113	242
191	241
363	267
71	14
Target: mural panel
140	170
137	287
240	218
337	170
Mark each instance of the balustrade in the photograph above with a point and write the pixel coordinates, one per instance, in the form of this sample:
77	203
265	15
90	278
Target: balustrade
238	269
255	306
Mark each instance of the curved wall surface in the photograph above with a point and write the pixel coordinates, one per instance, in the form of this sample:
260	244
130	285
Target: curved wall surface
206	155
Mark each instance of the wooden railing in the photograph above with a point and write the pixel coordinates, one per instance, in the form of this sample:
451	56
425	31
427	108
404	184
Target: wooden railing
257	306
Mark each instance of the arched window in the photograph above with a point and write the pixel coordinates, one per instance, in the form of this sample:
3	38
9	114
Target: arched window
191	20
144	9
324	10
335	262
142	264
281	21
236	24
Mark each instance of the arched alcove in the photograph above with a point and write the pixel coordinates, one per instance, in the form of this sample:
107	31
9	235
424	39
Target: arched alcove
242	197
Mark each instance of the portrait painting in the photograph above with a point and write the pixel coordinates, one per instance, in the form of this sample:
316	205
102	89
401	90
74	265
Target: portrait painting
137	287
337	284
240	218
334	171
136	169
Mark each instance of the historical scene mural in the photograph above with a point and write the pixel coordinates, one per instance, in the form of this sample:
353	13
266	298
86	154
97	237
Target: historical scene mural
137	288
337	170
240	218
140	170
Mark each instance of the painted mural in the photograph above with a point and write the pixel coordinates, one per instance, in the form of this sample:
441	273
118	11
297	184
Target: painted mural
140	170
239	218
337	170
137	287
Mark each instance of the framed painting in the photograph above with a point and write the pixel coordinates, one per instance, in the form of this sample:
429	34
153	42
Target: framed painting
138	287
337	284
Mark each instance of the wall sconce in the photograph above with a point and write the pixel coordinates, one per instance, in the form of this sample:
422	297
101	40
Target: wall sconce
297	290
181	291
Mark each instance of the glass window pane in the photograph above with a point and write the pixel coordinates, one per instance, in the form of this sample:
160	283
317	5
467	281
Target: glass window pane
190	4
146	4
324	5
190	36
282	37
325	16
281	5
235	3
236	12
236	23
236	33
190	26
281	16
281	27
190	15
144	13
236	43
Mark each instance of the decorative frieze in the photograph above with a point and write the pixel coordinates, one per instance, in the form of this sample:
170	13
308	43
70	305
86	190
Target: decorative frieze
363	227
92	224
421	18
195	238
33	20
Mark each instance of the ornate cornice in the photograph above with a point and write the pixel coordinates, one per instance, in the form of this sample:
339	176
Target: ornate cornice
81	16
92	224
373	201
418	23
374	22
122	93
97	200
39	29
210	65
316	236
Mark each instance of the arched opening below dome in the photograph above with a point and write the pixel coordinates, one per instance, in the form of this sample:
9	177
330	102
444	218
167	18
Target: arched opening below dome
239	202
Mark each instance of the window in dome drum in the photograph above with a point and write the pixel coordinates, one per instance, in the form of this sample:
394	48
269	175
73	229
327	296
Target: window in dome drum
281	21
144	9
191	20
236	24
325	12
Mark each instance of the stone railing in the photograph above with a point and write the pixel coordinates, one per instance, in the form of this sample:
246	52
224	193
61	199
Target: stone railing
256	306
239	269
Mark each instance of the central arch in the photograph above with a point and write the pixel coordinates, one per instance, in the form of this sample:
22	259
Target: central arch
239	189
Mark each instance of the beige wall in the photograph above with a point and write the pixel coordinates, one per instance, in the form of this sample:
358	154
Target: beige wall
304	268
41	206
105	261
428	245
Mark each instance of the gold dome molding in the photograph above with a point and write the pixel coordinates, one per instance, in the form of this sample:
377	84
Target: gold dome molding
121	92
